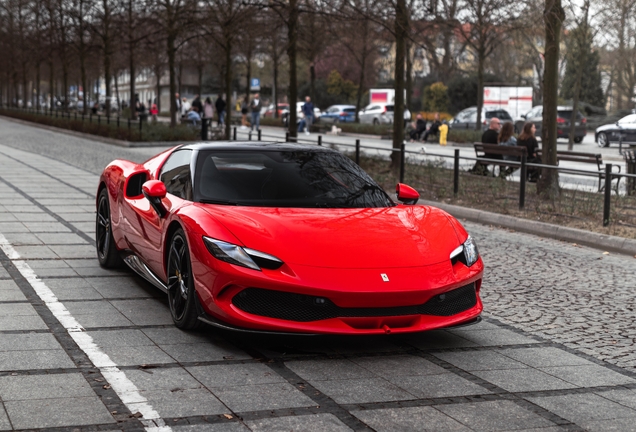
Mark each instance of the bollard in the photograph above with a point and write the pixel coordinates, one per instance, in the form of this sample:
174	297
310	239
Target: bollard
608	194
249	136
522	182
259	134
204	129
402	157
286	136
99	118
358	151
320	140
456	173
108	119
117	122
75	115
234	133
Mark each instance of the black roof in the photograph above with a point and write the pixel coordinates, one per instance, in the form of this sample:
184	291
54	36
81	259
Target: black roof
255	145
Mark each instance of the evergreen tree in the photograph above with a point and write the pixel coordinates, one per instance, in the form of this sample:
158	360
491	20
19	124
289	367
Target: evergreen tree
580	46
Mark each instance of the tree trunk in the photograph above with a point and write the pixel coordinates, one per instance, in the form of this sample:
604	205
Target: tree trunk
480	85
548	184
173	84
409	77
312	82
275	85
51	83
363	61
158	78
115	75
575	103
131	62
292	36
401	31
228	85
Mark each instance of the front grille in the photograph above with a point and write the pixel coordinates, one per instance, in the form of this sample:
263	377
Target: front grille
304	308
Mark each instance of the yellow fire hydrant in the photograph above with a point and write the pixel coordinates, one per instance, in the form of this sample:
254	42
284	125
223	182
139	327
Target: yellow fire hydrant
443	133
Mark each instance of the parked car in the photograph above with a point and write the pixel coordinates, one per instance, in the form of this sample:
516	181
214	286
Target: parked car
299	110
564	114
609	133
339	114
269	110
380	113
467	119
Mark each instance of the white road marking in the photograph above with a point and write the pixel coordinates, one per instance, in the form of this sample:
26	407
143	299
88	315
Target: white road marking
125	389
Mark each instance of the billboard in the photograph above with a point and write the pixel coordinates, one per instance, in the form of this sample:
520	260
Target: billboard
515	100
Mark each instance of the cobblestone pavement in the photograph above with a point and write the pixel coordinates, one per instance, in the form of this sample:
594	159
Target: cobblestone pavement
85	349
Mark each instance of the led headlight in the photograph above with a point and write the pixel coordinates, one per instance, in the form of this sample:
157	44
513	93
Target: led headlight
237	255
466	253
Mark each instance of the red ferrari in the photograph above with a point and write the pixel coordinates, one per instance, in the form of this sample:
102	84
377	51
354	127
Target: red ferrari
285	238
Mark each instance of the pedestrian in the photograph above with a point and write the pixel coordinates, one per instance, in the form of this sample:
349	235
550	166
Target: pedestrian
244	110
208	110
177	99
420	127
443	133
185	107
308	112
434	129
220	108
196	104
154	112
255	107
529	141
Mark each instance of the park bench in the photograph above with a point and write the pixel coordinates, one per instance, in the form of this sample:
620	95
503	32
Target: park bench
495	151
588	158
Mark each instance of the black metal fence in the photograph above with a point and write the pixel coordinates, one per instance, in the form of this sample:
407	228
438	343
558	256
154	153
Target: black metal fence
611	179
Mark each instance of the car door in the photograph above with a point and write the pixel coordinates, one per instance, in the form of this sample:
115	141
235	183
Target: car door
626	127
176	175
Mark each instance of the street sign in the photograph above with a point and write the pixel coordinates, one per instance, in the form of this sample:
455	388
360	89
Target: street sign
255	84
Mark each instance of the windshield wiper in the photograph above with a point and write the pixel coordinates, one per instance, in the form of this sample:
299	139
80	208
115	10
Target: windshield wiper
217	201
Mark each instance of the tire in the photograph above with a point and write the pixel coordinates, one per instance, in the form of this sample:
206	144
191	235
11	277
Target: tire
578	140
107	253
602	140
182	297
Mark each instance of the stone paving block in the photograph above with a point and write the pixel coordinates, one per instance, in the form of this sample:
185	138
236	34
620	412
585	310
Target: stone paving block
20	239
48	413
229	426
61	239
85	227
312	422
137	355
588	375
435	386
28	322
163	378
437	339
578	408
321	370
7	217
500	415
154	311
206	351
234	375
622	396
35	252
494	337
42	227
609	425
77	217
51	268
544	357
400	365
58	209
34	359
29	341
173	335
73	251
262	397
98	313
184	402
72	289
13	227
362	390
479	360
4	420
9	291
36	217
120	338
122	287
68	385
16	309
18	209
523	380
424	419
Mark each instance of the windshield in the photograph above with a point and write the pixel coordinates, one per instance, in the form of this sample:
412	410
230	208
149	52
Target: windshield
567	114
285	178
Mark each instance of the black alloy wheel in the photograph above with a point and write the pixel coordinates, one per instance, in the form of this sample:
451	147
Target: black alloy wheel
181	294
107	253
602	140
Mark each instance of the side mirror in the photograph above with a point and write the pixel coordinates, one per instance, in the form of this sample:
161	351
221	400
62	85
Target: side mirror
406	194
155	191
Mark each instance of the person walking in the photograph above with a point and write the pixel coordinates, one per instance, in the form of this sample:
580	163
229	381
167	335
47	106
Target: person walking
154	112
244	110
177	99
220	109
255	107
308	112
185	107
208	111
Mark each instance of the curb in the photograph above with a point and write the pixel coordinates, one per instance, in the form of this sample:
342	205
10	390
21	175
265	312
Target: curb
105	140
571	235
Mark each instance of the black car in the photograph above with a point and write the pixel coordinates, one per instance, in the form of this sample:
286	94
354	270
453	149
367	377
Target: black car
564	115
609	133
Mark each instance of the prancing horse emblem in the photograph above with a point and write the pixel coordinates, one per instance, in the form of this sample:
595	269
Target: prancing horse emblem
385	278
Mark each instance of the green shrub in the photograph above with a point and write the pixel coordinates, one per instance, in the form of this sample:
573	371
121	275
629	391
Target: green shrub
464	135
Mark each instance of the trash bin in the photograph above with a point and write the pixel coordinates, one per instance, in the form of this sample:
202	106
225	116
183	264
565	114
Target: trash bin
630	161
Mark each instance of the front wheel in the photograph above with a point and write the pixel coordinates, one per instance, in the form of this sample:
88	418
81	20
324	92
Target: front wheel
107	253
602	140
182	296
578	140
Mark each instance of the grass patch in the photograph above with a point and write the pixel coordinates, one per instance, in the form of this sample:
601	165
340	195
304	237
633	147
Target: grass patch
573	208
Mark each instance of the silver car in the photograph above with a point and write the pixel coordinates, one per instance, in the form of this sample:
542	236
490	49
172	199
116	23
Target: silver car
380	113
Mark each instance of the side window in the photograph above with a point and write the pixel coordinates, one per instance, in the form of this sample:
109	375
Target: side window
176	175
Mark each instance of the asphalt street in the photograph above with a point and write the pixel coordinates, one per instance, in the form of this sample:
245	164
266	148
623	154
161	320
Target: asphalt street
83	348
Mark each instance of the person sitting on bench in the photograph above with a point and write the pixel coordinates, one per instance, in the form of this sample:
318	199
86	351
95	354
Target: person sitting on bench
434	129
420	127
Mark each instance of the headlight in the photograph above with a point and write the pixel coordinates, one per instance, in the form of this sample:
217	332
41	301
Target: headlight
466	253
237	255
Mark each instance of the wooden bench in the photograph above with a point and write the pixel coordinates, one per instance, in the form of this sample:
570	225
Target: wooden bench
495	151
588	158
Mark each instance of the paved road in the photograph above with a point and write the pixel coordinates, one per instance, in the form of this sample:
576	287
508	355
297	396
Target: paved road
84	349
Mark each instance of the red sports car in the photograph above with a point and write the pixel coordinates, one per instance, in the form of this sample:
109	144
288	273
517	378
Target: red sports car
285	238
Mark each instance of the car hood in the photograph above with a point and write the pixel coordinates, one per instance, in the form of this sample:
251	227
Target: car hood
400	236
606	127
